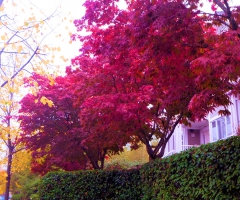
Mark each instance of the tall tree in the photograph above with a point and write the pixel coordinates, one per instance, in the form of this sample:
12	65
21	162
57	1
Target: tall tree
134	72
22	50
139	69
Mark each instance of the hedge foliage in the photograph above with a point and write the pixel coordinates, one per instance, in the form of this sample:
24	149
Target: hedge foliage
91	185
210	171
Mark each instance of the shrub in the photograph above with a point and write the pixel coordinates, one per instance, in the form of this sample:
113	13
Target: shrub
210	171
95	185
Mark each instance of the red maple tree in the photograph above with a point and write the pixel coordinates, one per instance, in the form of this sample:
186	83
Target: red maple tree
134	71
148	68
53	133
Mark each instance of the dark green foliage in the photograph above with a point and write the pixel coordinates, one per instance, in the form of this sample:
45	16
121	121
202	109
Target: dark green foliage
211	171
91	185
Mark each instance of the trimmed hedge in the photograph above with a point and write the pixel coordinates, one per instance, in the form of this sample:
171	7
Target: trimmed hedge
91	185
210	171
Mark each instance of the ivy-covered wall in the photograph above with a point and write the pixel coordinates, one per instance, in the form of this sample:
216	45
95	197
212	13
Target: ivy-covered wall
91	185
210	171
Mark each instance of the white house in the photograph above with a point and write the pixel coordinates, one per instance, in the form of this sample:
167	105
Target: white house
214	128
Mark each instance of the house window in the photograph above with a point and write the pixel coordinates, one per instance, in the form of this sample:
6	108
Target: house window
221	128
238	111
229	129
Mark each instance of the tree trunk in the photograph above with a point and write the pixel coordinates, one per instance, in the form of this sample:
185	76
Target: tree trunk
9	162
9	167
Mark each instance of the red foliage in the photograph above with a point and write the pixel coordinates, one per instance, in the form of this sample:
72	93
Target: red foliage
154	65
55	135
51	133
134	75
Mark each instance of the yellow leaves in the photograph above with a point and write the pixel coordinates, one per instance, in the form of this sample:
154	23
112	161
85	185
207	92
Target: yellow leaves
35	84
45	100
21	161
4	133
129	156
1	9
19	49
40	160
59	49
13	46
3	37
32	18
33	91
64	59
45	62
4	102
52	81
3	176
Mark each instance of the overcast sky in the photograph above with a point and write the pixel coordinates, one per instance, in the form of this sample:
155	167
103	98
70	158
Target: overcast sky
66	12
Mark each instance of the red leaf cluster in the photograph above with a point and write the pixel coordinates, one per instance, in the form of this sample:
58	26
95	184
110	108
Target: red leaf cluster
55	134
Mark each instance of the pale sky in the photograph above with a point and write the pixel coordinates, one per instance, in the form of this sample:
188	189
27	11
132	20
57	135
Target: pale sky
72	9
66	12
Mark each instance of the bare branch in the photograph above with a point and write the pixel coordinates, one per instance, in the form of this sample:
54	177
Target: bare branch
221	5
12	77
23	148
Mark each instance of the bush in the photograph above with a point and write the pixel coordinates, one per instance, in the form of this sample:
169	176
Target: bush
94	185
210	171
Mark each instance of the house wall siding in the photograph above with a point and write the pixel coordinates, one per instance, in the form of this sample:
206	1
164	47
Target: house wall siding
204	135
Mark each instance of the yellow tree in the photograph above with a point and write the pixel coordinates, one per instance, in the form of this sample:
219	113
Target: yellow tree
23	50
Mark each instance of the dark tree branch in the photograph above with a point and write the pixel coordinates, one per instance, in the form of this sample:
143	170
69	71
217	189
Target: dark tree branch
13	76
221	5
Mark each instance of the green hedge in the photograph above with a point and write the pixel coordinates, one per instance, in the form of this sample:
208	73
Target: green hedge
91	185
208	172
